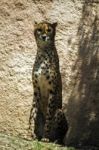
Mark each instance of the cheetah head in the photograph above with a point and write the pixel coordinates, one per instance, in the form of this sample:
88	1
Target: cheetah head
44	33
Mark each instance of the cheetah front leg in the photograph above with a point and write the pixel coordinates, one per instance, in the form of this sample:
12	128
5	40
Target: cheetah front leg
36	117
49	117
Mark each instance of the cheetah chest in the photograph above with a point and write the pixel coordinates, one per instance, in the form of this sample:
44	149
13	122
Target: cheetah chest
44	85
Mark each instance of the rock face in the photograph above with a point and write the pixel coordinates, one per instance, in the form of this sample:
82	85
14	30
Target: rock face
77	42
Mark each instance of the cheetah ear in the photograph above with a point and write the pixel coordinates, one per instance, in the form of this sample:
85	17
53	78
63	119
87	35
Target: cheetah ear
54	24
35	23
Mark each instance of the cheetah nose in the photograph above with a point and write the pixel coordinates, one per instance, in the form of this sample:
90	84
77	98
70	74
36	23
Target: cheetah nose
44	37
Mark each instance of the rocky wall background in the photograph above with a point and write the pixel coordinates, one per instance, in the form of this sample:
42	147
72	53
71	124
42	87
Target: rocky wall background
77	42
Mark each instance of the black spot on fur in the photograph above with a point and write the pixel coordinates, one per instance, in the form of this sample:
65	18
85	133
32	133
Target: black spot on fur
49	82
36	75
35	81
51	92
47	77
35	93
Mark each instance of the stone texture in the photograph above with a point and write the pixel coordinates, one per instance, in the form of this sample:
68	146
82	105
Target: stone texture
83	105
77	45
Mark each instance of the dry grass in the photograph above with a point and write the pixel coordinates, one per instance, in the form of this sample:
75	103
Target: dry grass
8	142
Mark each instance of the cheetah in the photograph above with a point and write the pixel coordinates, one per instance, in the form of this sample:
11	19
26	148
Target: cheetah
47	82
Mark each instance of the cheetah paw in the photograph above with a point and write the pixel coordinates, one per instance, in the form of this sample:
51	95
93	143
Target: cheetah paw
45	140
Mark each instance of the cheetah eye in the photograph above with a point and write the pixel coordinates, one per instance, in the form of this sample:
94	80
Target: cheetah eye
39	30
49	30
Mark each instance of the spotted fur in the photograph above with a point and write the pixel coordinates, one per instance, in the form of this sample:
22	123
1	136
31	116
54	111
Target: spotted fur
59	127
